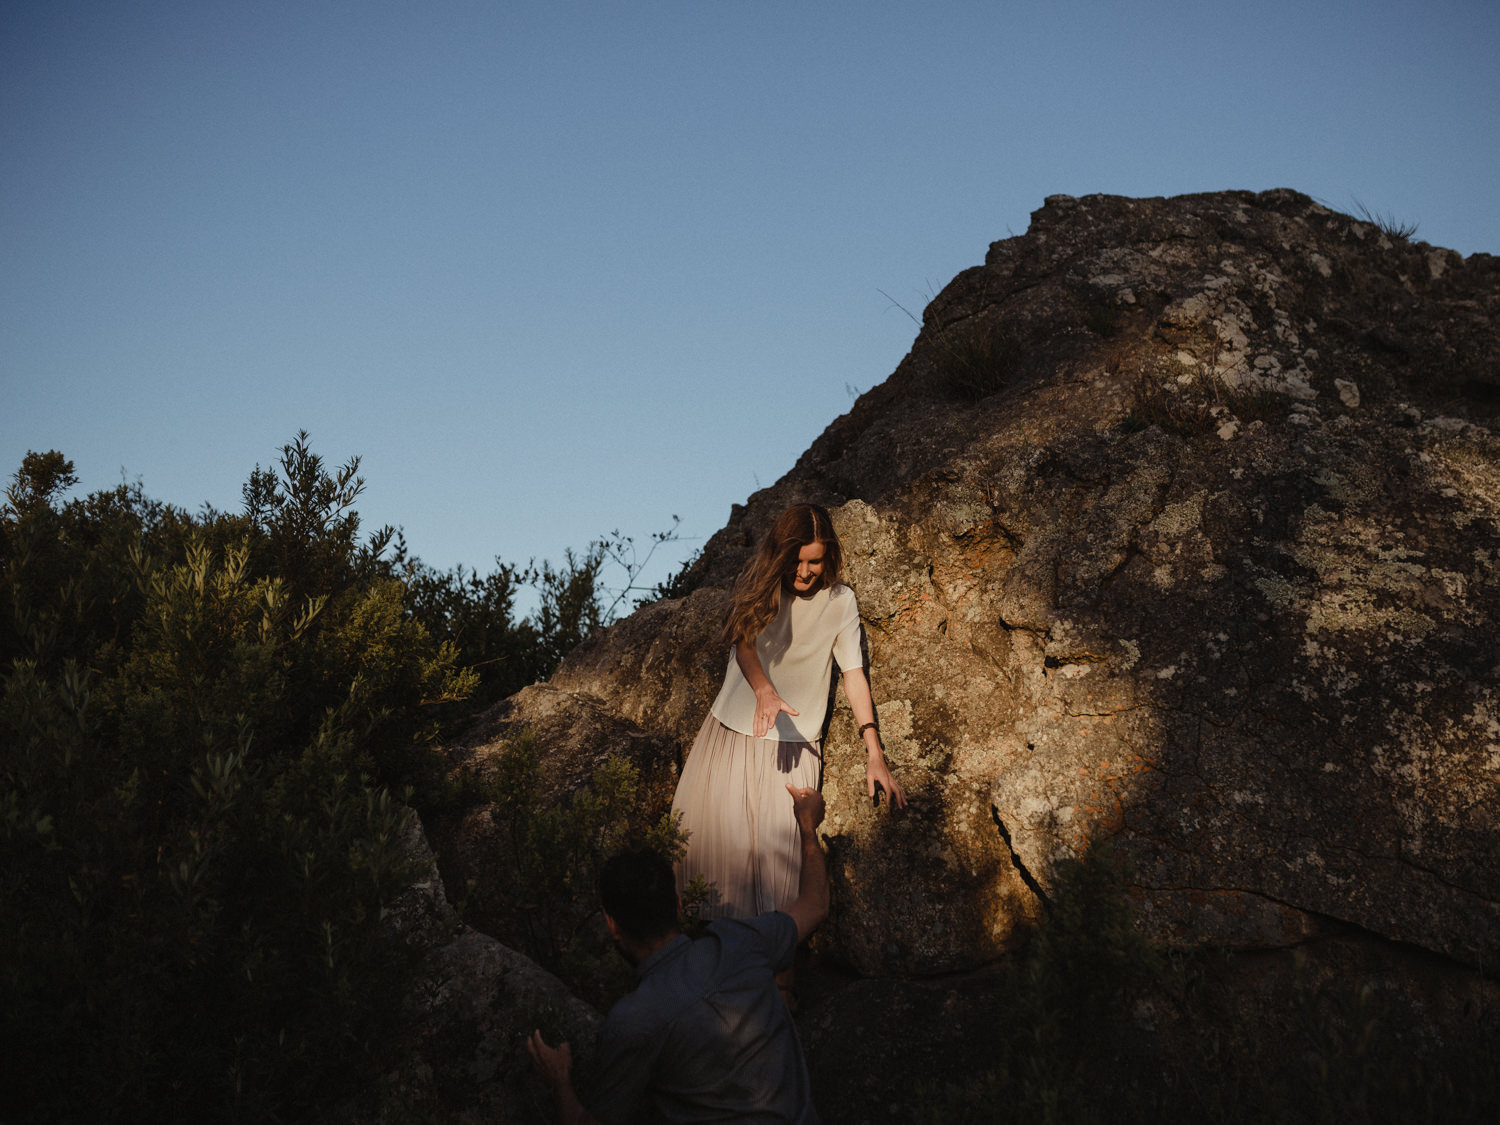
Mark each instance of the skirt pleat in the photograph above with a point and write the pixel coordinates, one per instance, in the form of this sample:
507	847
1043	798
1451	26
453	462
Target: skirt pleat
741	832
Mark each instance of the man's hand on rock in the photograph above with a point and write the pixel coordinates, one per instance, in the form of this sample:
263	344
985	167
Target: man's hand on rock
554	1064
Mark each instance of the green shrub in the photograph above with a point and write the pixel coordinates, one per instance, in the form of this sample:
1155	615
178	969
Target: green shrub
199	720
687	578
476	613
545	900
210	728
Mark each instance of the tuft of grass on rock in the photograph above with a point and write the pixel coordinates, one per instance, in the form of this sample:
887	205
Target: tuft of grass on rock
1188	412
1152	403
1389	225
972	365
1252	404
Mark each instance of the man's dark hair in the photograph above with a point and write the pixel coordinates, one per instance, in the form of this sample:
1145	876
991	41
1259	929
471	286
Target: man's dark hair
639	891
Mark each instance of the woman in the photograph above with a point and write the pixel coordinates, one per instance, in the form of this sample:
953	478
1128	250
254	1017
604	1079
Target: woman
789	620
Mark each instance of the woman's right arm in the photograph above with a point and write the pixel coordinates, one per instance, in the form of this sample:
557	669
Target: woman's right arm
768	705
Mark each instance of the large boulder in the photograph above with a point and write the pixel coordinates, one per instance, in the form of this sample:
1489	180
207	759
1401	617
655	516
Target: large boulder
1176	529
461	1054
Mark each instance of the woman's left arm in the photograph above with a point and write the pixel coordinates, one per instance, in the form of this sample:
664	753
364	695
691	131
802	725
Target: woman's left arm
857	688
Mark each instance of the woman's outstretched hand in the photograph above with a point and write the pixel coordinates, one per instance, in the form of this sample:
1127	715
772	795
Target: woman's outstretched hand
877	773
769	705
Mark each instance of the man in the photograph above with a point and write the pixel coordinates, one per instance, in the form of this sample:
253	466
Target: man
706	1034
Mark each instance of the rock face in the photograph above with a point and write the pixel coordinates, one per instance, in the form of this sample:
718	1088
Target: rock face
1177	529
473	1003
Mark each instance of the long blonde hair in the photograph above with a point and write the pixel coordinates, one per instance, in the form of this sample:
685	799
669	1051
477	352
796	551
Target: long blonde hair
757	591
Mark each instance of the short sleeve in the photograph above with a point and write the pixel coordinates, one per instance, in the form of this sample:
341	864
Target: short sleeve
846	647
771	936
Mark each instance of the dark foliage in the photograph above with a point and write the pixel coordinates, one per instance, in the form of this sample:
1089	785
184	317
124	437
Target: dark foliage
1096	1025
547	858
977	361
476	613
208	727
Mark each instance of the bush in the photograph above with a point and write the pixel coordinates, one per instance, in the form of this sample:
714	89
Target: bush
476	613
210	729
201	718
547	858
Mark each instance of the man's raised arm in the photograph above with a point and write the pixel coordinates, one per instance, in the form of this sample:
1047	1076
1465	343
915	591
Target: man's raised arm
810	906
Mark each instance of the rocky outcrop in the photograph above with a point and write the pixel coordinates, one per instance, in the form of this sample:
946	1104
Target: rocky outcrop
1176	529
461	1054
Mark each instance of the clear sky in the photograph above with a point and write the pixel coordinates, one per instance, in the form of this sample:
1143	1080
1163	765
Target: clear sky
553	269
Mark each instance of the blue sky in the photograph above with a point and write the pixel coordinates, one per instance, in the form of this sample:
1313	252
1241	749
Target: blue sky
558	268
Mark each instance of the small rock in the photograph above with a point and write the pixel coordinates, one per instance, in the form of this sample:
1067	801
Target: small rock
1348	393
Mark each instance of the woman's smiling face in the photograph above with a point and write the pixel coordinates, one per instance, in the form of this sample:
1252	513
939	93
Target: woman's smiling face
809	573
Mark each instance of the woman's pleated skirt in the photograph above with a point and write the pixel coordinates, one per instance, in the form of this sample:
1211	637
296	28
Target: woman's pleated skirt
734	807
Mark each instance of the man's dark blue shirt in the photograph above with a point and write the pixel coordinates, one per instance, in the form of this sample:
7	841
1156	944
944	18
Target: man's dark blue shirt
706	1036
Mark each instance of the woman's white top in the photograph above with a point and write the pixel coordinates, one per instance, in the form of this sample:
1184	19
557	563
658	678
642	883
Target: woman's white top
797	650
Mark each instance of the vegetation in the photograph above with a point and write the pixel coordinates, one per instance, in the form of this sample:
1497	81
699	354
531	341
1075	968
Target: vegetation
972	361
547	857
1096	1025
1394	228
1153	403
210	726
476	613
1156	399
975	364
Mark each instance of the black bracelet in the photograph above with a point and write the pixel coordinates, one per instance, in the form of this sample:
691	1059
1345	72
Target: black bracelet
870	726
